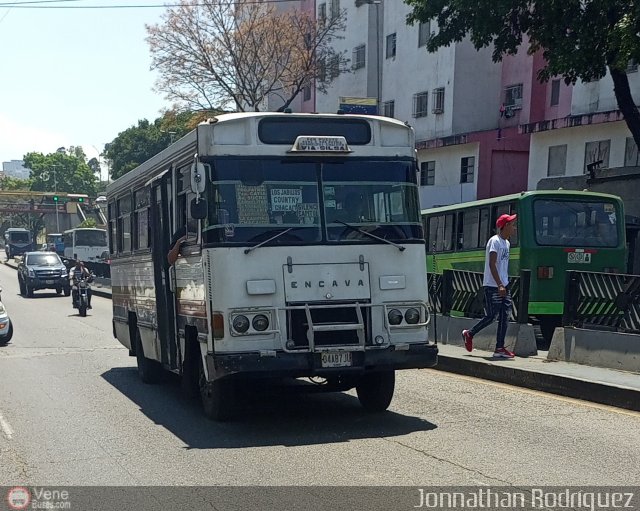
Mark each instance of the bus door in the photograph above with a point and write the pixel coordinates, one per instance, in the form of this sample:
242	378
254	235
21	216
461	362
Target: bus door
160	240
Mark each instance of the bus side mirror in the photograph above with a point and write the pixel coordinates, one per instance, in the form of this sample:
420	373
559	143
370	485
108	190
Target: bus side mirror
198	174
199	209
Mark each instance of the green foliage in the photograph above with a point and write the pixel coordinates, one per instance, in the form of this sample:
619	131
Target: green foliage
10	184
88	223
72	174
137	144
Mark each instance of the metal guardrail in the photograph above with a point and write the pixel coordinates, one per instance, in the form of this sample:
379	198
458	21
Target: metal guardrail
602	301
461	293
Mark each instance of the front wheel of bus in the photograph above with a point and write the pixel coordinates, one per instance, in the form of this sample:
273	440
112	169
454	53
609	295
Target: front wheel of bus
148	370
217	397
375	390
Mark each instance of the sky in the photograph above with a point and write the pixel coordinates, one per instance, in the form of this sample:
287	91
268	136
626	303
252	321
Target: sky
71	77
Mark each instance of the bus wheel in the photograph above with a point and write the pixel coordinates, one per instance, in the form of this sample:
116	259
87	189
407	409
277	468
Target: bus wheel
148	370
217	397
375	390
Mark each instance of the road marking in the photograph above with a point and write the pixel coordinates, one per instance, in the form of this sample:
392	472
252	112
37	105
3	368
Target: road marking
513	388
6	427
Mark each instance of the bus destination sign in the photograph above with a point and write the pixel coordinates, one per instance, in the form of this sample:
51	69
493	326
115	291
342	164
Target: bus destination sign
320	144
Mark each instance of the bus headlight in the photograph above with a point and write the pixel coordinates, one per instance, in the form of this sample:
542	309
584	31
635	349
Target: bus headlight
395	317
241	324
412	316
260	322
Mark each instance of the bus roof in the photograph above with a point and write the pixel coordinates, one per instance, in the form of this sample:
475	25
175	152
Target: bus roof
182	151
519	196
85	229
17	229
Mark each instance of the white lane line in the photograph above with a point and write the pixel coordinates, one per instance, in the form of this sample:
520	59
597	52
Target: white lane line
6	427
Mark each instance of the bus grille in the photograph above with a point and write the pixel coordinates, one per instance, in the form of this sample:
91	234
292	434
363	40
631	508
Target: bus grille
342	326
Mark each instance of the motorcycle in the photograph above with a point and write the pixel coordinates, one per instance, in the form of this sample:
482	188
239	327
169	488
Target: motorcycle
6	326
80	292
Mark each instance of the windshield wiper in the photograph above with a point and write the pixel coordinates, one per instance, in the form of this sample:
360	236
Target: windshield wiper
281	233
357	229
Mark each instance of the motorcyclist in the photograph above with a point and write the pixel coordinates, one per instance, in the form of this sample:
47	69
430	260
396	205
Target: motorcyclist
74	276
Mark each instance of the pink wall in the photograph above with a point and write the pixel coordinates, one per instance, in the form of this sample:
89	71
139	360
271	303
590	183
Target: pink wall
504	161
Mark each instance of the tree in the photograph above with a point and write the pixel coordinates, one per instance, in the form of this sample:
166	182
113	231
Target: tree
237	54
579	39
72	174
137	144
9	183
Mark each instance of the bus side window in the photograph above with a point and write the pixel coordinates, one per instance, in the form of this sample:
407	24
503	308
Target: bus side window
470	230
433	233
447	238
459	239
483	231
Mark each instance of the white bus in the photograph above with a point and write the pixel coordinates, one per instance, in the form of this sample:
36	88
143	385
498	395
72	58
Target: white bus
85	244
305	256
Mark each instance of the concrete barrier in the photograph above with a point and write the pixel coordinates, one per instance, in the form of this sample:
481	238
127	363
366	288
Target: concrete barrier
613	350
520	338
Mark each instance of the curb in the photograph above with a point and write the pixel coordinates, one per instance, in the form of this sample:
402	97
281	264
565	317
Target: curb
606	394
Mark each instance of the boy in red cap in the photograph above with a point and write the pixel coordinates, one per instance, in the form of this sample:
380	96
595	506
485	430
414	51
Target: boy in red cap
497	299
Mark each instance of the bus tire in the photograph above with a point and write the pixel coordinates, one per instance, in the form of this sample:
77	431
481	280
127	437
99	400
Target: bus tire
217	397
148	370
375	390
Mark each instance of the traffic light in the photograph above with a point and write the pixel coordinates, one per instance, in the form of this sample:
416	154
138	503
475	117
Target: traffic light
80	199
56	198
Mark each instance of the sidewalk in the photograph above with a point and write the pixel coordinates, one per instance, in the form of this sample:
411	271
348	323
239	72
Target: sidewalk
604	386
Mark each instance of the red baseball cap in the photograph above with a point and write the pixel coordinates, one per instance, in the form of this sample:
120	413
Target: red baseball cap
504	220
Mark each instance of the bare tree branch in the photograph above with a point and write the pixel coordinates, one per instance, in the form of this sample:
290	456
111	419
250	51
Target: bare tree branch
216	54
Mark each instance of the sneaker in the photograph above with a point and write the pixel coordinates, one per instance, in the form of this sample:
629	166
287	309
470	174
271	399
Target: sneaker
468	340
503	353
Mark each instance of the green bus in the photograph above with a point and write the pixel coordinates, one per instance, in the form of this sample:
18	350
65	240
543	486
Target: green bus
557	230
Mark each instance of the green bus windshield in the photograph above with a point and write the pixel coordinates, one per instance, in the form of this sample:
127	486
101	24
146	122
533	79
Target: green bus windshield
567	223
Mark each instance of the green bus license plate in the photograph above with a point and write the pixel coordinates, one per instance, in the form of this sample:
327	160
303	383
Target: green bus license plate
337	359
579	257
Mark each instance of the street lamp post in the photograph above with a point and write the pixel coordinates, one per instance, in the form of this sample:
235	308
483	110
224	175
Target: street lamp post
55	191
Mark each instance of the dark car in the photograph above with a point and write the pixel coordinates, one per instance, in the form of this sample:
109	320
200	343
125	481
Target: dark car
42	270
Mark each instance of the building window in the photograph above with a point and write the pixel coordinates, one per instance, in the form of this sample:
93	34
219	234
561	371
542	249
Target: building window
420	104
391	46
513	97
428	173
557	164
424	33
437	98
306	93
389	108
555	92
467	168
597	151
335	8
631	157
359	56
333	67
632	66
322	13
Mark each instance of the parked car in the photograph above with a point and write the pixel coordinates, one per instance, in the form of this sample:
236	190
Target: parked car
6	327
43	270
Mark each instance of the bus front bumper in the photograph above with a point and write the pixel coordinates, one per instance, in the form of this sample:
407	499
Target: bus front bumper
298	365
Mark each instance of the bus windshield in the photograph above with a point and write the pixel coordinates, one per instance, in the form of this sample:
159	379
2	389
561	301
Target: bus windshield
96	238
19	237
253	200
570	223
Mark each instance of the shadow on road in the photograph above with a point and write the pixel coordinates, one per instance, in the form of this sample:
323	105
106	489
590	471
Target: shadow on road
266	418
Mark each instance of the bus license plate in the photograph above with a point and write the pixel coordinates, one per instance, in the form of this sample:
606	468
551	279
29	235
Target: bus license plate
48	281
579	257
337	359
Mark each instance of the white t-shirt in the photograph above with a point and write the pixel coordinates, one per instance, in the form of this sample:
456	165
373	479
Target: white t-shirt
500	246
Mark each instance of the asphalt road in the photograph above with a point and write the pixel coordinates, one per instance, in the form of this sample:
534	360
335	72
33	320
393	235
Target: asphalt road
73	412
